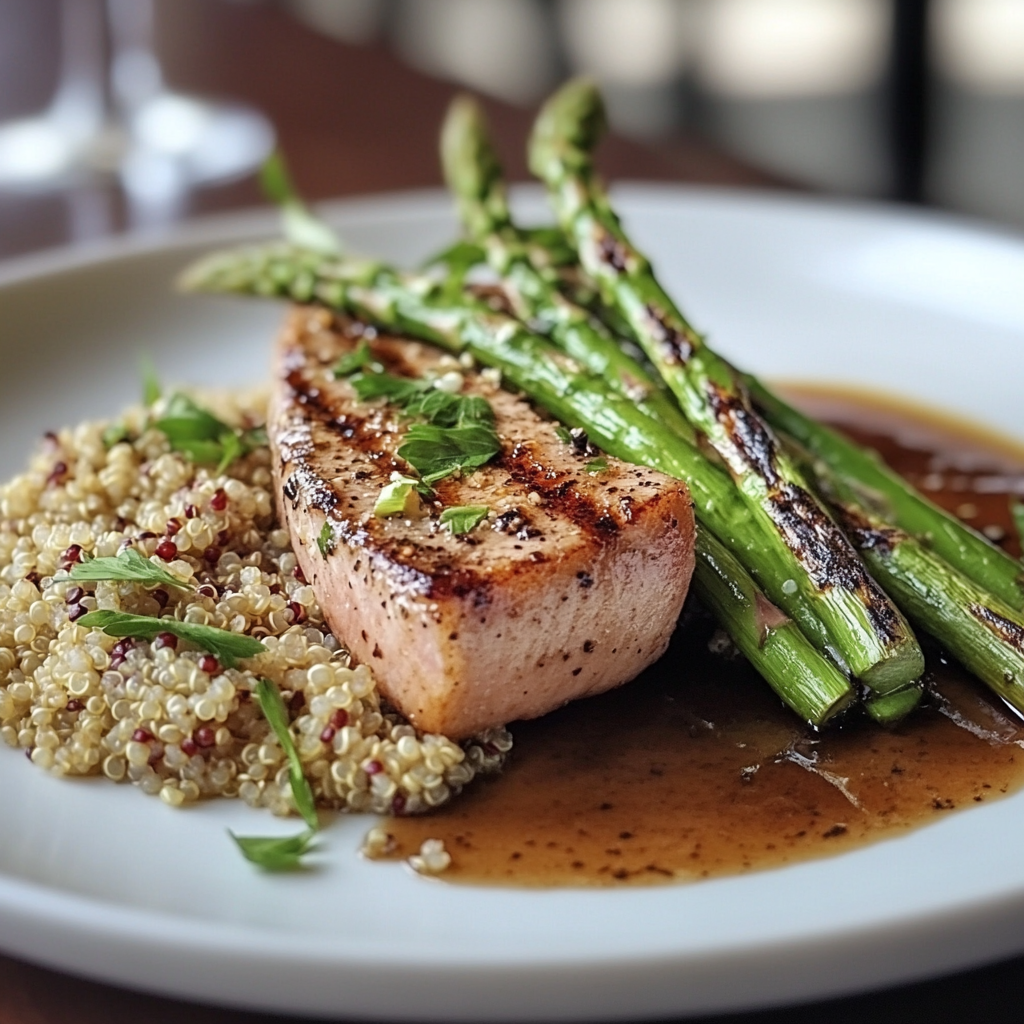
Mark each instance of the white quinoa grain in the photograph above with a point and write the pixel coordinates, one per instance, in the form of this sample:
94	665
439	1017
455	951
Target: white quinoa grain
165	719
433	858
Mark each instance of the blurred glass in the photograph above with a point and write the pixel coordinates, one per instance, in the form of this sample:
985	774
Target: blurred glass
502	47
112	117
797	87
639	53
978	159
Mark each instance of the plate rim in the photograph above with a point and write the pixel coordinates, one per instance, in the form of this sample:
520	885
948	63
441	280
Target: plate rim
256	222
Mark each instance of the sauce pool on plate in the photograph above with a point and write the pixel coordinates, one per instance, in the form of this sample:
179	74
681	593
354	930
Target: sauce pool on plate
696	770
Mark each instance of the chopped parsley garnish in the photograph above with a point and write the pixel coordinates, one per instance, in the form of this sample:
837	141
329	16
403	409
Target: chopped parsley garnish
398	498
115	434
458	433
599	465
446	410
563	435
325	539
456	261
438	452
203	437
282	853
127	565
399	391
227	646
276	713
463	518
300	225
358	358
273	853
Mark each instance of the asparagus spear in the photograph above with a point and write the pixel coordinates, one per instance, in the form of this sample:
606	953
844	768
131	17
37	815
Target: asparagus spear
963	548
418	306
867	629
983	633
954	592
957	543
813	687
474	175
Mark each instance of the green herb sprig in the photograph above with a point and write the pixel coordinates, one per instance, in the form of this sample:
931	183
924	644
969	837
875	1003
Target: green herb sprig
325	540
227	646
300	225
275	853
151	389
1017	512
203	437
438	452
462	519
115	434
351	362
398	391
458	434
285	853
127	565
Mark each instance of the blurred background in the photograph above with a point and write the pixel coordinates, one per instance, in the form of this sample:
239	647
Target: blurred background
134	113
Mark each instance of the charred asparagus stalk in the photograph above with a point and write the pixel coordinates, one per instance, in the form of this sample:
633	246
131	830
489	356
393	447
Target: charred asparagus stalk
959	545
982	632
474	175
865	627
418	306
948	580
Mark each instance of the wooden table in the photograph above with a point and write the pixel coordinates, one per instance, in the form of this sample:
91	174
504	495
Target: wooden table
355	120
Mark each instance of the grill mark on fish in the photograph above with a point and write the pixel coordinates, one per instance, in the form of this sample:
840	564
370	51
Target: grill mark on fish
560	495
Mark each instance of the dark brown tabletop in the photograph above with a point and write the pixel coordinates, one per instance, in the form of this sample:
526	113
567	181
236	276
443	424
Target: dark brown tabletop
352	120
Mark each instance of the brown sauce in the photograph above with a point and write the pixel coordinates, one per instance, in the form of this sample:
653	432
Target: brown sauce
696	770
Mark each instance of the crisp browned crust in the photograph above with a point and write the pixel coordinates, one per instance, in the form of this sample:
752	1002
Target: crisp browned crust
571	587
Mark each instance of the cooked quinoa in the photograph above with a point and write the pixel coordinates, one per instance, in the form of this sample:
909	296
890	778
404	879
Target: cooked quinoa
164	716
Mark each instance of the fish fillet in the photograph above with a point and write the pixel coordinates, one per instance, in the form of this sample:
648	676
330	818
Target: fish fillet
571	586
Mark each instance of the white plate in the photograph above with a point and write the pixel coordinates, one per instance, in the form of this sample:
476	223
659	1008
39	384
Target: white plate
101	880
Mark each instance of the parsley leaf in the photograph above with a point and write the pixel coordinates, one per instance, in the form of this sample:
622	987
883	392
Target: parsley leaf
563	435
459	433
398	390
325	539
437	452
463	518
203	437
456	261
359	357
446	410
598	465
227	646
273	707
301	226
115	434
282	853
274	853
127	565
